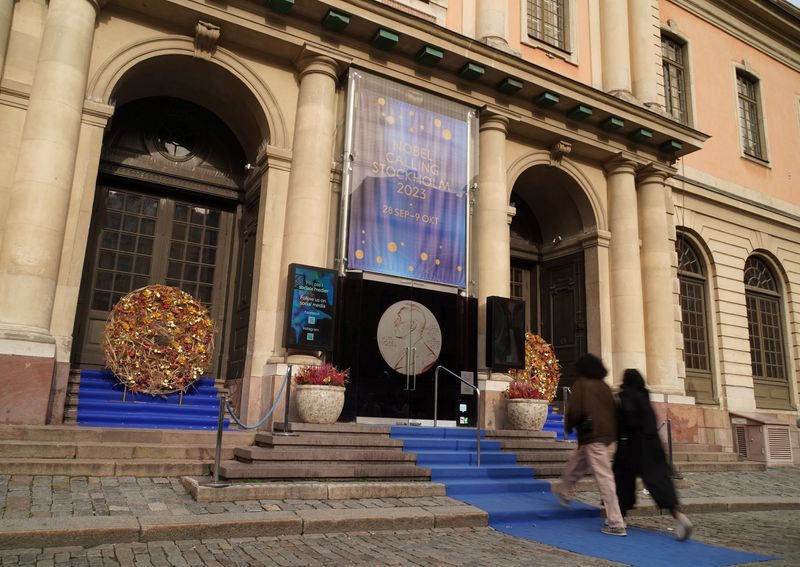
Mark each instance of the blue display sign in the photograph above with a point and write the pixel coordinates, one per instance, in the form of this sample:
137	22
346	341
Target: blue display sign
409	181
310	308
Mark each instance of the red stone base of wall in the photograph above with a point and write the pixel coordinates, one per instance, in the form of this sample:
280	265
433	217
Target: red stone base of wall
25	389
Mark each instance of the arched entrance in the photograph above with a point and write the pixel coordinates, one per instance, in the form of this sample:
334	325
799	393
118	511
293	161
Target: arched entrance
548	262
168	209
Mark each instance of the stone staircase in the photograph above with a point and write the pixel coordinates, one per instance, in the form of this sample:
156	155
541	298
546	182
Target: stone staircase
342	451
99	451
710	458
541	450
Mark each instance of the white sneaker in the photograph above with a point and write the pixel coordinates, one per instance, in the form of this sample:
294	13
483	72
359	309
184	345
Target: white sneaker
683	527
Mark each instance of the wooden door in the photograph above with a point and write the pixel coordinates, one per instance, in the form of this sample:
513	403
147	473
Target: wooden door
563	308
142	238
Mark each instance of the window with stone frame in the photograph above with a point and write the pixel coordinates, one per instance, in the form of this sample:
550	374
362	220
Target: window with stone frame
764	321
750	123
694	315
673	63
548	22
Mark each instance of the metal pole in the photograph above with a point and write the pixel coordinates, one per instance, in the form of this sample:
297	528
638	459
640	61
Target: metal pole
286	430
435	394
669	447
217	483
478	426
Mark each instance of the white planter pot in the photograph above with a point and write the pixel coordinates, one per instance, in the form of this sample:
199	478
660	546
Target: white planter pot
526	414
318	404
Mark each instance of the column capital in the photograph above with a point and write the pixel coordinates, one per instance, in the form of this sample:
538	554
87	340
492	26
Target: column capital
653	172
98	4
318	59
494	119
620	163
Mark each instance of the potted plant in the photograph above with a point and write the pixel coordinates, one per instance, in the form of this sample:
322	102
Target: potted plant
319	393
531	390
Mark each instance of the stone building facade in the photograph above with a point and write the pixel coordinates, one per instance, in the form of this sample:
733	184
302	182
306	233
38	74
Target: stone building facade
634	183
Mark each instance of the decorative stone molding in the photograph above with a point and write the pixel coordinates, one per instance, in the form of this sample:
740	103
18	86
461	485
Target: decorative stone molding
620	163
653	171
318	59
206	36
558	151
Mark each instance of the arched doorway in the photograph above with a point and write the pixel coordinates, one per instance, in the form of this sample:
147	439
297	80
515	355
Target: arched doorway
547	261
168	209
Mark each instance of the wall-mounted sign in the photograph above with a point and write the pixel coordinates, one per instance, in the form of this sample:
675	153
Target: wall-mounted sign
410	172
310	308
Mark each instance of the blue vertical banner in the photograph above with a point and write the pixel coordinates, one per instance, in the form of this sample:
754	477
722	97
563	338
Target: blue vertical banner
409	182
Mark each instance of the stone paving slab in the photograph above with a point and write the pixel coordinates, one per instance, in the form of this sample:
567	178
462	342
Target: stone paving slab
84	531
348	520
309	490
252	524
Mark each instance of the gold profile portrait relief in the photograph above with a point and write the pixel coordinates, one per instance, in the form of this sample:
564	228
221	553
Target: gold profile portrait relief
408	327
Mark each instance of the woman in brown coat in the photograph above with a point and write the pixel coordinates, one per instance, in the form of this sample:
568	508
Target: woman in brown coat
592	411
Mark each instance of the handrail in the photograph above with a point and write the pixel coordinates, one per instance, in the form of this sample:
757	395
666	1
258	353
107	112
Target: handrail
566	391
478	408
668	422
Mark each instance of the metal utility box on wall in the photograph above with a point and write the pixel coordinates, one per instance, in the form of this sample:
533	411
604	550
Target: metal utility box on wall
760	439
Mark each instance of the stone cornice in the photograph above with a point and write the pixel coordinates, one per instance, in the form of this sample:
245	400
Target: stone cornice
282	38
762	24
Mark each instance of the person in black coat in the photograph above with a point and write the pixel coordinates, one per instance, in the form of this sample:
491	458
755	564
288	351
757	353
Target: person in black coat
640	453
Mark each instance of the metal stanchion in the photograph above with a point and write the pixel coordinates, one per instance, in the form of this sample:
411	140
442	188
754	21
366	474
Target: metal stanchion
286	428
217	483
675	474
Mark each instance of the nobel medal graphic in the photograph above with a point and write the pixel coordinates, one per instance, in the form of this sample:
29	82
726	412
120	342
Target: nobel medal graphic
409	337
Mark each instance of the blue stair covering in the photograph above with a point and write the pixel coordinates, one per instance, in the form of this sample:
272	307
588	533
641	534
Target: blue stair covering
524	507
555	423
101	404
500	486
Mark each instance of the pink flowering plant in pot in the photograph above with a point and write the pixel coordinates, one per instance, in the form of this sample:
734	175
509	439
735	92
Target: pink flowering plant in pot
319	393
324	375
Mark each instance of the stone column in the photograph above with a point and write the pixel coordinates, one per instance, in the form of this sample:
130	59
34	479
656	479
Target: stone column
644	50
491	22
492	236
657	281
627	317
6	9
615	47
37	210
306	230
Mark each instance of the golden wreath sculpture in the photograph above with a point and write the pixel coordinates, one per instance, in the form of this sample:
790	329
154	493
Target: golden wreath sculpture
158	340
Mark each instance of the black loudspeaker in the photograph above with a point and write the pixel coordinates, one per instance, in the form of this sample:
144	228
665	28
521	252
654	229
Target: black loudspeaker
505	333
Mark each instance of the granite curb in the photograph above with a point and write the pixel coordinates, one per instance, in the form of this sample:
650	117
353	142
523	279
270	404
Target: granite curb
90	531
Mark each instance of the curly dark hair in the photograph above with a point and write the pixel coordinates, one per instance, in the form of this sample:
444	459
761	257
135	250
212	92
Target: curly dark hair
590	366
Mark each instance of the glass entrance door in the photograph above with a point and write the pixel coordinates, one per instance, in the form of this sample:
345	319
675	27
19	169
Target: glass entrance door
393	336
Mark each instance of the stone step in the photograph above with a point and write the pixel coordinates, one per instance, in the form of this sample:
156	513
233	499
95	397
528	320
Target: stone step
705	456
547	470
717	466
335	428
313	439
525	456
104	467
110	435
516	434
239	470
250	454
105	451
532	444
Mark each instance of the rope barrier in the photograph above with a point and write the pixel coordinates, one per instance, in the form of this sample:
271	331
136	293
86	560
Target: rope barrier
266	415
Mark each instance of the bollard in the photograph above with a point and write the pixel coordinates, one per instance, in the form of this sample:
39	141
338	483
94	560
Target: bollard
286	428
216	482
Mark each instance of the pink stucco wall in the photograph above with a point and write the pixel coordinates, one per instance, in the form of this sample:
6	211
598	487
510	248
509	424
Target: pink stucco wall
713	59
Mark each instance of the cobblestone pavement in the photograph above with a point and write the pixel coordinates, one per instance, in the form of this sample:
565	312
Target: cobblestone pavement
476	547
61	496
769	533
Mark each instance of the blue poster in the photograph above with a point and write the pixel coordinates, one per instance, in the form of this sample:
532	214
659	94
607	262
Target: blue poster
408	198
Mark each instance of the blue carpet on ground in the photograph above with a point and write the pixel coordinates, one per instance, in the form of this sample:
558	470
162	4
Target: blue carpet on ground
520	505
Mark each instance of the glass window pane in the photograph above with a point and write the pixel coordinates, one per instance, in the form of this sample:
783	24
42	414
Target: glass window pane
130	223
148	227
192	253
104	279
106	260
124	263
176	250
178	231
127	242
174	270
195	234
133	203
145	245
101	300
109	240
